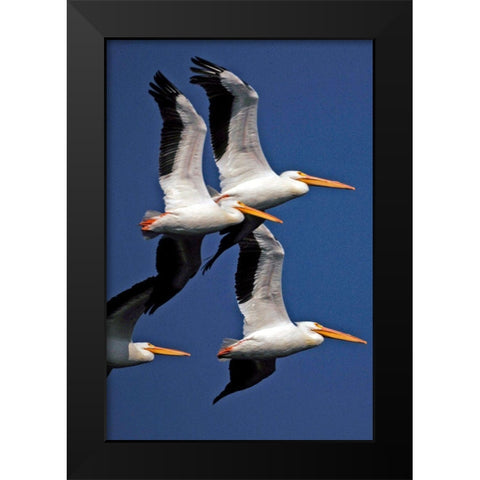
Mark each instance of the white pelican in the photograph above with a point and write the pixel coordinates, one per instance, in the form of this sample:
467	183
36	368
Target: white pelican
123	311
189	209
268	331
245	174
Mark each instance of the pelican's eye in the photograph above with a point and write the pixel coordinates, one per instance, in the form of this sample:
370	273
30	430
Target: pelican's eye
317	325
301	173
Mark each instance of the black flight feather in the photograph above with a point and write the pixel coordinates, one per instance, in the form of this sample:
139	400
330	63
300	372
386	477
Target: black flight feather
247	266
165	94
221	101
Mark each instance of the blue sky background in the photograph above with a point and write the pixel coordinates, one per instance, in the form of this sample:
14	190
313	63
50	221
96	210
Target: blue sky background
315	115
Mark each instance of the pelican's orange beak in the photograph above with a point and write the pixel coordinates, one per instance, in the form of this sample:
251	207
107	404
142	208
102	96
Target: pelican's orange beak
166	351
257	213
328	332
322	182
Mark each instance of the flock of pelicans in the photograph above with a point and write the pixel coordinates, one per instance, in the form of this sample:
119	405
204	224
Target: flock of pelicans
192	210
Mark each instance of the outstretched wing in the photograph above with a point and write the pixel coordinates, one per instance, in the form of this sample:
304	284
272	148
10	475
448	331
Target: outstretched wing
258	281
233	124
178	260
246	373
125	309
181	146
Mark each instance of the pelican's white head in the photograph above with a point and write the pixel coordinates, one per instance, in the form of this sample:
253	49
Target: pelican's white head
238	209
315	181
317	332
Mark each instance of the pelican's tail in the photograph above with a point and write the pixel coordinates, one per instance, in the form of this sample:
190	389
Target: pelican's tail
225	348
150	217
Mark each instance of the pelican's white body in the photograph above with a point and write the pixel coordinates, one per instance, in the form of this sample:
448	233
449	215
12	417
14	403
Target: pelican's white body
196	219
268	190
275	342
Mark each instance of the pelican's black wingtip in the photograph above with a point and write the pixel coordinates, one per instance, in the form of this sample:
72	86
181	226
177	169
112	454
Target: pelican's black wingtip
162	86
207	266
201	62
197	79
218	397
210	68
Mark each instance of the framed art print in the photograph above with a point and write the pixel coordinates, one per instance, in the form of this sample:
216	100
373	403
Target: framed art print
333	85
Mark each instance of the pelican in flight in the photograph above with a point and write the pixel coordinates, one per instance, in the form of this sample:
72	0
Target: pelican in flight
268	331
123	311
189	209
245	174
